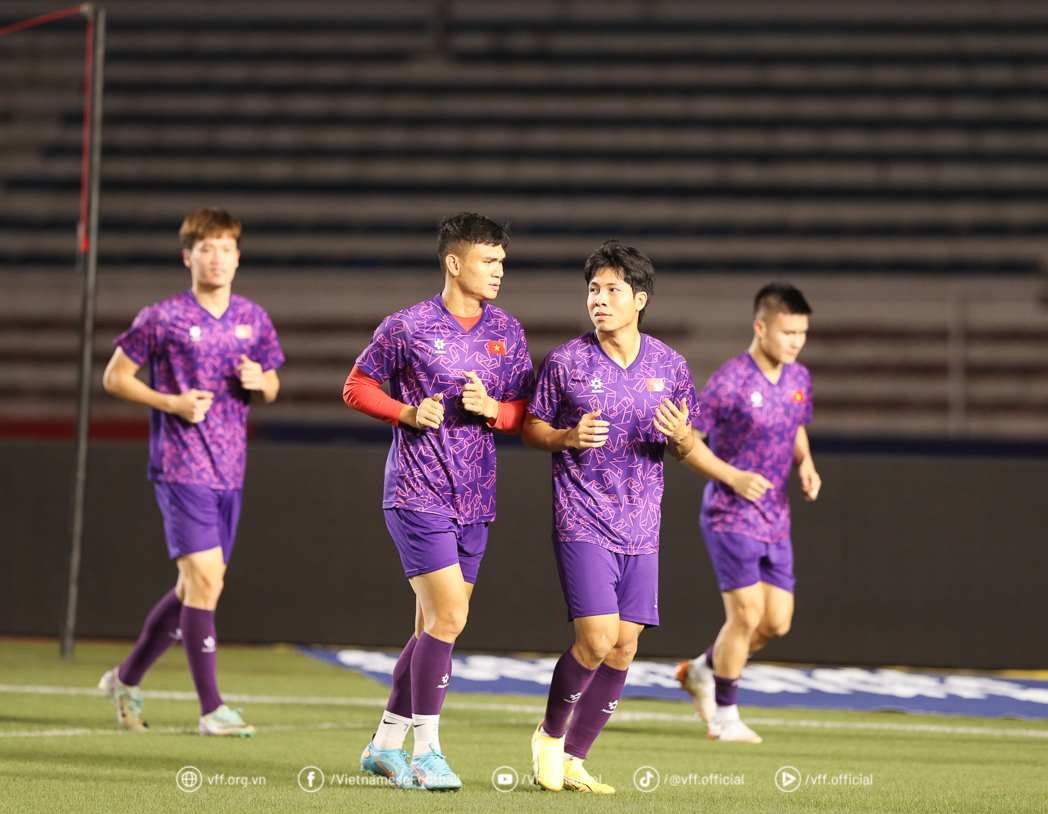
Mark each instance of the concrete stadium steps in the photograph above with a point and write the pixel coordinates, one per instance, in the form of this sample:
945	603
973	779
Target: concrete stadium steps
966	357
771	137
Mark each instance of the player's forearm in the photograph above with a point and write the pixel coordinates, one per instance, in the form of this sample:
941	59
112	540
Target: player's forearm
126	386
541	436
680	450
702	460
270	386
801	447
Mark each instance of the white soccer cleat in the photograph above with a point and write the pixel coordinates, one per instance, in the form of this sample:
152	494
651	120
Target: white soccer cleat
128	701
225	722
696	679
728	726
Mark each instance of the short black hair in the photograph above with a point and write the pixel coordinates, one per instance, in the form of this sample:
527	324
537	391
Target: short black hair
782	298
459	232
631	264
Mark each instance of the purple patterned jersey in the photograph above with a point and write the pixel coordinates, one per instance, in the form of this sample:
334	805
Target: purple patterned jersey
423	351
186	348
752	424
611	495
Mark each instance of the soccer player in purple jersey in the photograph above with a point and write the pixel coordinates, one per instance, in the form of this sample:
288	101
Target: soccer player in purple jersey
459	370
600	407
208	351
753	411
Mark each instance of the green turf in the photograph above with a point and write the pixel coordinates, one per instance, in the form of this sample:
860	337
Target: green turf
99	772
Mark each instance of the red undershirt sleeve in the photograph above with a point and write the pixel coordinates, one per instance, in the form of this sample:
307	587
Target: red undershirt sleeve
510	419
366	395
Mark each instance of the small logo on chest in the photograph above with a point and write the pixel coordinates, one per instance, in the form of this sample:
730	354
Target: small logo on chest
596	385
756	399
242	332
195	333
438	346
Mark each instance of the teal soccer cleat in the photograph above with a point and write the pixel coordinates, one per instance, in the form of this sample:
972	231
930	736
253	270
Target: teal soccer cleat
433	773
391	763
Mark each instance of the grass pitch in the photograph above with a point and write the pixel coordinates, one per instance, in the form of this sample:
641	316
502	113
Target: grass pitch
63	752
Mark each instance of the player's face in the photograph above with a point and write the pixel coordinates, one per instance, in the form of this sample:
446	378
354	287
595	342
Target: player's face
611	302
213	261
480	272
782	336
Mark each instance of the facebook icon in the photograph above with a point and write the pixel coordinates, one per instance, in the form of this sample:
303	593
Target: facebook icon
310	779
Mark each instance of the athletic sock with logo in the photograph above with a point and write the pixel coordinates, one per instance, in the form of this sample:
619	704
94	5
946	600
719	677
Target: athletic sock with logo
594	709
201	644
569	682
430	676
160	631
396	719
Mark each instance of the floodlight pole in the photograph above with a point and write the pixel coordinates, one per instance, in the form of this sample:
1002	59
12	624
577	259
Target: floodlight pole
87	265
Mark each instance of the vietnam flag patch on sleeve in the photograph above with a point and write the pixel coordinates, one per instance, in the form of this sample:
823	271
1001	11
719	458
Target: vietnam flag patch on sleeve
494	346
798	396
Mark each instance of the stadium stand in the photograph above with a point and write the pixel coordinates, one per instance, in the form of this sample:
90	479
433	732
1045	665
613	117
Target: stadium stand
892	157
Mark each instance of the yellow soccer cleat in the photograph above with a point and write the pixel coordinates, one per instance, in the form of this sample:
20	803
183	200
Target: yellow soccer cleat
576	778
547	760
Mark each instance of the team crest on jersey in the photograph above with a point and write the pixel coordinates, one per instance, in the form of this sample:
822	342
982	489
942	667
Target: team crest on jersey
495	346
438	346
195	333
596	385
656	385
756	399
798	396
242	332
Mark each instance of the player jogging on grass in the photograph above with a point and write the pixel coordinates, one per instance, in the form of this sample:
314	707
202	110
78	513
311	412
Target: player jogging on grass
208	350
458	370
600	406
753	410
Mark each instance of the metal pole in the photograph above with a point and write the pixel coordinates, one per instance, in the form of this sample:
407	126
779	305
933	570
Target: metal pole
87	264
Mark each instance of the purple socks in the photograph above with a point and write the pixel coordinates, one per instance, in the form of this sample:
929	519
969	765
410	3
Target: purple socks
198	638
570	680
400	697
160	631
430	675
727	688
594	710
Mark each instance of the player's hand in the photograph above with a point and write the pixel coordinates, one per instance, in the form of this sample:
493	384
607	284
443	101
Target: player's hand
192	405
590	433
250	374
811	483
673	422
475	397
430	412
750	485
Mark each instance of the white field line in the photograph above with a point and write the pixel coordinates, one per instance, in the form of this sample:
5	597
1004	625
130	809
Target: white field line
621	716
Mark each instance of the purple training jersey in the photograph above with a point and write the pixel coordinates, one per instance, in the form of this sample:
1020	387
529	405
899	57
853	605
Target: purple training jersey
188	348
423	351
611	495
752	424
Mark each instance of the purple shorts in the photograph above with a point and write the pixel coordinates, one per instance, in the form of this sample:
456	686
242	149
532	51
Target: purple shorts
198	518
741	561
597	581
429	542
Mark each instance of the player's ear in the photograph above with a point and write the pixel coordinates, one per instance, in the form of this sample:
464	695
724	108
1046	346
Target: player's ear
452	265
185	258
640	300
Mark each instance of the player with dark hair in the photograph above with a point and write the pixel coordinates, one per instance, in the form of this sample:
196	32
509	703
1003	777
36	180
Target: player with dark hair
458	370
600	406
753	410
208	351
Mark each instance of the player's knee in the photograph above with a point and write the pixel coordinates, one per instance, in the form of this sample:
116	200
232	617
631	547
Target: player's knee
621	655
205	587
451	621
596	646
747	617
777	627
